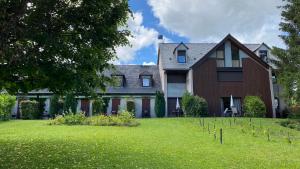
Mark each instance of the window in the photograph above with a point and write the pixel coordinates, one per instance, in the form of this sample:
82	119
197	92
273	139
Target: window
274	80
235	56
119	80
146	81
263	54
220	57
181	56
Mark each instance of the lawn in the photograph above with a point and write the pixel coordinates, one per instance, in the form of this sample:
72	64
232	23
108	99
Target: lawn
156	143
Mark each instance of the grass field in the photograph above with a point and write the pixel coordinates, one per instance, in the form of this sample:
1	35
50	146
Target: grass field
156	143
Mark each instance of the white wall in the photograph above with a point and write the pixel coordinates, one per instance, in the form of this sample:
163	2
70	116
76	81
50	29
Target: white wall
189	81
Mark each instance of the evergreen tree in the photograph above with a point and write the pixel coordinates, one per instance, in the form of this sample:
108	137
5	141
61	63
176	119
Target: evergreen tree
288	62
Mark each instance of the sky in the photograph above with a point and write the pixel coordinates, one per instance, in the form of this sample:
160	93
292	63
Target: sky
254	21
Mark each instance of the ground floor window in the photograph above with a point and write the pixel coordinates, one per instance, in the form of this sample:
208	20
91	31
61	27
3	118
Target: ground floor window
226	108
173	111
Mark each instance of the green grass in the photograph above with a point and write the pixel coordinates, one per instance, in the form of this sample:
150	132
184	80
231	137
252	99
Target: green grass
156	143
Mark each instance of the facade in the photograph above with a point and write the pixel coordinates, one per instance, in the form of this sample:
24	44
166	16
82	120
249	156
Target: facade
214	71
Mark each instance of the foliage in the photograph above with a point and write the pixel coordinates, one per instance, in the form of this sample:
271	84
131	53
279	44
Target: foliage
70	103
29	109
254	107
63	46
288	59
100	105
290	123
6	104
74	118
130	106
294	111
160	103
56	105
194	105
124	118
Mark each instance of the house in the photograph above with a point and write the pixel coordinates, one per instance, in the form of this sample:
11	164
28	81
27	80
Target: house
214	71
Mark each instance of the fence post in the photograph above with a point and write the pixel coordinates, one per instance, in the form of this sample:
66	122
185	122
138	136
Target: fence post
221	136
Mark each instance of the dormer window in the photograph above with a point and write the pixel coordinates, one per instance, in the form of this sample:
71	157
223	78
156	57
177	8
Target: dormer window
146	80
263	54
119	80
181	56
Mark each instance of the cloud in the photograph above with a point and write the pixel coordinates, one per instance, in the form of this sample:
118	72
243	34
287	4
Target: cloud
148	63
206	21
142	37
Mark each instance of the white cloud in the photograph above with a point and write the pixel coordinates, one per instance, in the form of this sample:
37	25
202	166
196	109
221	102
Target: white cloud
149	63
142	37
211	20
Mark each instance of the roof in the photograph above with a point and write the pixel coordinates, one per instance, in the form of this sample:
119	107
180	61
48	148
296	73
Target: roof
239	45
194	53
132	76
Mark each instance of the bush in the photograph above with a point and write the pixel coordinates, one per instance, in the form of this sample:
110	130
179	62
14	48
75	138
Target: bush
6	104
254	107
70	103
294	111
74	119
123	119
100	106
131	106
291	123
160	103
29	109
194	105
56	106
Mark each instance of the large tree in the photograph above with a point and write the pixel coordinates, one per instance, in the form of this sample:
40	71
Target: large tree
62	45
288	62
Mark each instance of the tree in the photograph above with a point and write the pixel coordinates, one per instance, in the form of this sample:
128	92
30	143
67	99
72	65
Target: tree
70	103
60	45
288	62
160	104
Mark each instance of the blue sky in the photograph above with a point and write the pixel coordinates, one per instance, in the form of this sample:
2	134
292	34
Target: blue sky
197	21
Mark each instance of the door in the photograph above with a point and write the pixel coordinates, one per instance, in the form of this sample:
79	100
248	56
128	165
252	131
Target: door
145	107
115	106
85	106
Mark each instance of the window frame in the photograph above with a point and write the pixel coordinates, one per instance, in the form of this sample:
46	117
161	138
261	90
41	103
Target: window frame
263	57
178	56
235	56
222	48
149	77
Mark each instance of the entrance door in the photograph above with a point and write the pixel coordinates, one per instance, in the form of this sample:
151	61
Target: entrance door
115	106
145	107
85	106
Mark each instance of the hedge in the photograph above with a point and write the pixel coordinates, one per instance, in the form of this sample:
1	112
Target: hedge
6	104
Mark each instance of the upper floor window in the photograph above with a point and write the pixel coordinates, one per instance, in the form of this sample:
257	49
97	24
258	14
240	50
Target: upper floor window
119	80
263	54
146	80
236	62
181	56
220	57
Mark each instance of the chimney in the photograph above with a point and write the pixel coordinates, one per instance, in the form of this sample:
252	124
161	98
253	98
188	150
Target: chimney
160	38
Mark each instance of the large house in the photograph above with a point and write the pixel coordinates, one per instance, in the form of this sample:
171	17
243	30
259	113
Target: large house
214	71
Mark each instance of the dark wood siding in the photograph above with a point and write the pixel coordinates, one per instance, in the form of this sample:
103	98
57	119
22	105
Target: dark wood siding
255	81
176	78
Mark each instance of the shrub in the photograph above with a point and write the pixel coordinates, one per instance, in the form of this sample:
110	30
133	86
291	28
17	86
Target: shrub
74	118
6	104
123	119
254	107
70	103
194	105
160	103
56	105
100	106
131	106
291	123
294	111
29	109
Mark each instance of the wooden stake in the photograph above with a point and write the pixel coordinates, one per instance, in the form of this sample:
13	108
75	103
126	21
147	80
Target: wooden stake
221	136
